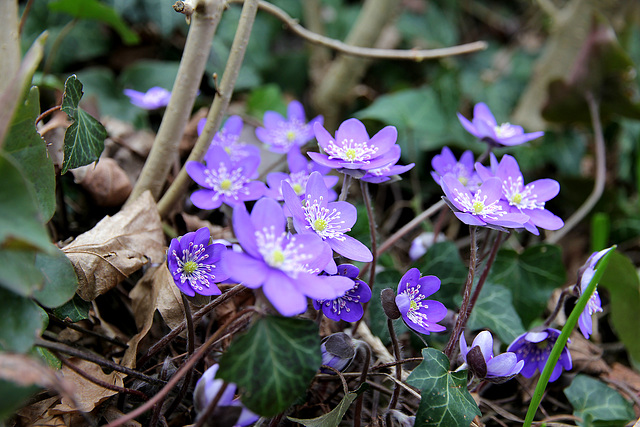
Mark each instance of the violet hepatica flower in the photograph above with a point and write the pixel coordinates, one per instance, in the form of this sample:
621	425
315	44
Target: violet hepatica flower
281	134
229	138
156	97
483	207
534	349
347	307
195	264
419	313
446	163
482	363
528	199
383	174
586	273
225	181
352	149
284	266
299	171
484	127
207	389
329	220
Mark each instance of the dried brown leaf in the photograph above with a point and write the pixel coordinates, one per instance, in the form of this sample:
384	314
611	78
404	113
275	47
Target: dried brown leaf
586	356
106	181
116	247
36	414
25	371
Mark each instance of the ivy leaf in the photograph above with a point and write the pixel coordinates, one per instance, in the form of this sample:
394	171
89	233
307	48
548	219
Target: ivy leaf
334	417
21	321
84	139
73	310
531	276
494	310
598	404
273	363
445	398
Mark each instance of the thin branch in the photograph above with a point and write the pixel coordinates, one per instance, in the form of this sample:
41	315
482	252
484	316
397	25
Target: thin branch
10	45
218	108
46	113
367	52
396	352
194	58
601	174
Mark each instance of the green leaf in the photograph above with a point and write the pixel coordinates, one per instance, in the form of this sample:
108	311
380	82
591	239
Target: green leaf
443	261
145	74
94	10
377	318
598	404
531	276
21	321
445	398
332	418
12	397
621	280
273	363
84	139
266	98
18	272
600	230
74	310
21	225
48	357
494	310
60	280
28	149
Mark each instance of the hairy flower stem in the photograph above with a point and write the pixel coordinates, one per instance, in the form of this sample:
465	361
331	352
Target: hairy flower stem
463	315
557	308
194	58
206	415
218	108
188	366
485	272
346	182
374	246
601	172
363	378
191	338
398	356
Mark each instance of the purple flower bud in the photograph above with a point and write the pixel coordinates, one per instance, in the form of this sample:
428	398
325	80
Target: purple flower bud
483	365
585	274
156	97
337	352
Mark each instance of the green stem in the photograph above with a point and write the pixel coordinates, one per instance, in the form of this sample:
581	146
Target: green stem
185	88
563	338
218	108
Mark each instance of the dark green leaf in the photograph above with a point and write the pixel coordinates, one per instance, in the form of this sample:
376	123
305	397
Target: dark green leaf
621	280
48	357
84	139
531	277
443	261
598	404
21	224
18	272
445	398
94	10
145	74
74	310
60	280
21	321
12	397
266	98
377	318
28	149
494	310
273	363
332	418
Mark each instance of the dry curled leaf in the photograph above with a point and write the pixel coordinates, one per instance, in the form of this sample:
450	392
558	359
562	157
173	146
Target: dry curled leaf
116	247
107	183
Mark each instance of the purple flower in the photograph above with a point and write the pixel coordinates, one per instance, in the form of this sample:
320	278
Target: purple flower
329	220
299	171
446	163
485	127
482	208
228	138
527	199
225	181
284	266
347	307
207	389
586	273
483	365
281	134
535	347
384	173
419	314
352	149
195	264
338	352
155	97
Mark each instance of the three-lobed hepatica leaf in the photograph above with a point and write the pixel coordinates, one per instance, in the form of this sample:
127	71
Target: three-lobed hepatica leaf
598	404
445	400
84	139
273	363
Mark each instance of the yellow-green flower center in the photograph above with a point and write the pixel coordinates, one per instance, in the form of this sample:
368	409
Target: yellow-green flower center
291	135
319	224
350	154
189	267
463	180
225	185
277	258
517	198
413	305
227	149
478	207
298	189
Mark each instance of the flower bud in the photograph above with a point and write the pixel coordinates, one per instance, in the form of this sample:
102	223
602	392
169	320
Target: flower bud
388	299
337	351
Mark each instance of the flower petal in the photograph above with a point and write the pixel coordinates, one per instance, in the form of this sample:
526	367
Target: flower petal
251	272
351	248
282	293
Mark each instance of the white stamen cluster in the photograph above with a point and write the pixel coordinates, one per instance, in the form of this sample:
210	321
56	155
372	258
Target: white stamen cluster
477	205
519	195
197	273
325	222
415	304
342	303
506	130
593	305
281	252
230	183
351	151
287	133
298	181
